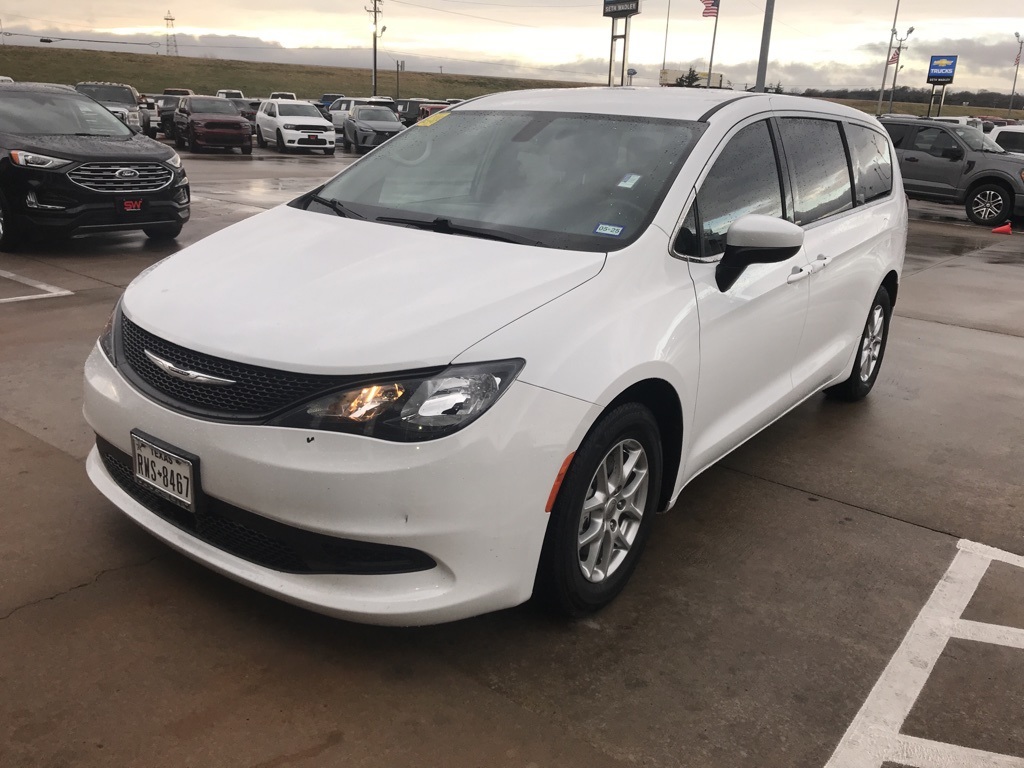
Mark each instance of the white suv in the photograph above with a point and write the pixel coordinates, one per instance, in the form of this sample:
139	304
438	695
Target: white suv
292	125
540	315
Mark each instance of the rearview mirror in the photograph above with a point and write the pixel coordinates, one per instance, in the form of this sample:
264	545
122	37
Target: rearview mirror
756	239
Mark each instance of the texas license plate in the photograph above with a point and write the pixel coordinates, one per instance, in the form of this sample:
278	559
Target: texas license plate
163	471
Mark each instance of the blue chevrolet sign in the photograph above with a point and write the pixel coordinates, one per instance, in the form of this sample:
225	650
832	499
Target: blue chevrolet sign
941	70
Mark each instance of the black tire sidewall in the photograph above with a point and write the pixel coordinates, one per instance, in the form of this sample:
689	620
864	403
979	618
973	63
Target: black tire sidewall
560	582
1004	215
13	235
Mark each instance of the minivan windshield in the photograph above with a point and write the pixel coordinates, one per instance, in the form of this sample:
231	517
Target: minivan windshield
298	110
115	94
48	113
214	107
559	180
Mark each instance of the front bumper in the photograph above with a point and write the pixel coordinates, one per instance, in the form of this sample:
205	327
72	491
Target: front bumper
324	140
48	202
472	502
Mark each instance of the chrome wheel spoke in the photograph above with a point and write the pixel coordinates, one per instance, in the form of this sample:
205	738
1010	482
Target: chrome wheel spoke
591	534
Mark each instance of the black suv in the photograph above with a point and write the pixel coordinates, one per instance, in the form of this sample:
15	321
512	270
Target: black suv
950	163
68	166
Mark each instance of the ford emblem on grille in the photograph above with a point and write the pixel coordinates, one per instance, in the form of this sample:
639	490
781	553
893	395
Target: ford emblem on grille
185	375
127	173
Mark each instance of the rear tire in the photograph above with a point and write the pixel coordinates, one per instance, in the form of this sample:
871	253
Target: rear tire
989	205
163	231
607	499
260	141
870	351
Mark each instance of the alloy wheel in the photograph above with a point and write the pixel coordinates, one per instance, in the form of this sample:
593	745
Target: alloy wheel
871	345
987	205
612	510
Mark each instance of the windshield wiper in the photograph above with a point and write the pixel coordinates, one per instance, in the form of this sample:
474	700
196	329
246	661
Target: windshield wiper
446	227
338	207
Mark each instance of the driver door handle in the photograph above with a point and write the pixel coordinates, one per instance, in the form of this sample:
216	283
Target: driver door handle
912	160
820	263
798	274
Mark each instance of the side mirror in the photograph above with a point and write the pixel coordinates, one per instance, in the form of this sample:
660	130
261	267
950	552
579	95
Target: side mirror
756	239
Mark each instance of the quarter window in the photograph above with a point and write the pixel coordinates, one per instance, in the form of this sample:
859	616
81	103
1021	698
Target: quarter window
744	180
872	163
821	175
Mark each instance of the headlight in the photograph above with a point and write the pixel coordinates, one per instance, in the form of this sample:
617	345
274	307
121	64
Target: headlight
134	119
32	160
410	408
290	127
107	334
174	160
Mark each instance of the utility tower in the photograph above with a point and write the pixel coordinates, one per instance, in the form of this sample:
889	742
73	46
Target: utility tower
171	39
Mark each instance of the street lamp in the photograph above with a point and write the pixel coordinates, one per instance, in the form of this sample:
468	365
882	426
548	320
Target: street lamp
899	54
1013	90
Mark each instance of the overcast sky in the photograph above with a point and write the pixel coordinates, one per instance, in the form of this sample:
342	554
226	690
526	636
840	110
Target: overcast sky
815	43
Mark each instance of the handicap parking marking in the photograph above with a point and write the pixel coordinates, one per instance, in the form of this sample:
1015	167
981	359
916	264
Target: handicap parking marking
874	737
48	291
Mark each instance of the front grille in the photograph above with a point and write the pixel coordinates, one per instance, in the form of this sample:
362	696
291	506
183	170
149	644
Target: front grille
225	126
257	393
102	177
263	541
311	128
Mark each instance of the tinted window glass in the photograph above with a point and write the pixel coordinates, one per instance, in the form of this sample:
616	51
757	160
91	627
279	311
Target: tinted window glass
933	141
298	110
897	132
744	179
687	243
116	94
872	164
816	154
214	106
1011	141
57	114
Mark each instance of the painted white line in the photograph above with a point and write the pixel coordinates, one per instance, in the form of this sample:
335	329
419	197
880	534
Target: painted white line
923	753
994	634
893	696
990	552
49	291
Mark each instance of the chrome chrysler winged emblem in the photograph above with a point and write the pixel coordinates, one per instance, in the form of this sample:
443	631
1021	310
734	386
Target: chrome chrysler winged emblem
186	375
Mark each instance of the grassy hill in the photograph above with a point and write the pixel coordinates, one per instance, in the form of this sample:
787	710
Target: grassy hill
151	73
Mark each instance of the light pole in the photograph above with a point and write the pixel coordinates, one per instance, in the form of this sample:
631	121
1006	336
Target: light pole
1013	90
888	54
899	54
377	12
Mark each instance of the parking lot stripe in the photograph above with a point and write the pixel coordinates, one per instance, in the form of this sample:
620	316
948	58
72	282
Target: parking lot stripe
989	633
49	291
874	735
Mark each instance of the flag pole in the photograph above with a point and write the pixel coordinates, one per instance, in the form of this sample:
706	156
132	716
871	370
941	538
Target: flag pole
664	55
711	61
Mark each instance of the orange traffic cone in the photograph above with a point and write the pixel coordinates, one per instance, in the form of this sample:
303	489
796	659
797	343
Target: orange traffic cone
1006	229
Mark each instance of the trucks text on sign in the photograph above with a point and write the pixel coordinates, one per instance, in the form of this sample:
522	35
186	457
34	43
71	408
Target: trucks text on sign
941	70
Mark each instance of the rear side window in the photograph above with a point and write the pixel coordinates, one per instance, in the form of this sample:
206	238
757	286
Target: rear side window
897	133
821	175
1011	141
872	163
745	179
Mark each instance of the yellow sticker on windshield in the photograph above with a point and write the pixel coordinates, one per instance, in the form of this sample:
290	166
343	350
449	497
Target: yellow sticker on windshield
428	121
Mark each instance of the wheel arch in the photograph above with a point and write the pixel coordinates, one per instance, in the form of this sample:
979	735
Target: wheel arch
891	283
661	398
999	181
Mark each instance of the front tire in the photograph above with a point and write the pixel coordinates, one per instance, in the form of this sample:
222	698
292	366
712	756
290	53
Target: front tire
602	517
163	231
870	351
179	140
329	151
345	143
11	236
989	205
280	143
247	150
260	141
193	145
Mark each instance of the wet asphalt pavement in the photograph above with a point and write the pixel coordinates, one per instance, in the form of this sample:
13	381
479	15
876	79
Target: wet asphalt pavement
768	604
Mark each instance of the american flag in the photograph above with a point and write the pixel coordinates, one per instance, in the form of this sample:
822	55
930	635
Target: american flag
710	8
895	56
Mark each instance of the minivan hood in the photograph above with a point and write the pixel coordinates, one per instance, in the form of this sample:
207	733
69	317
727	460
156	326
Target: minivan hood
317	293
134	148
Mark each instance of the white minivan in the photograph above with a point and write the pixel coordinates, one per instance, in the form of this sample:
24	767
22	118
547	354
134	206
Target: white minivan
470	368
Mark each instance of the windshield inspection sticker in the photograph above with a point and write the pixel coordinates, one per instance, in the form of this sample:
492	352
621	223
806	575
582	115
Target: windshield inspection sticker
608	229
436	117
629	180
